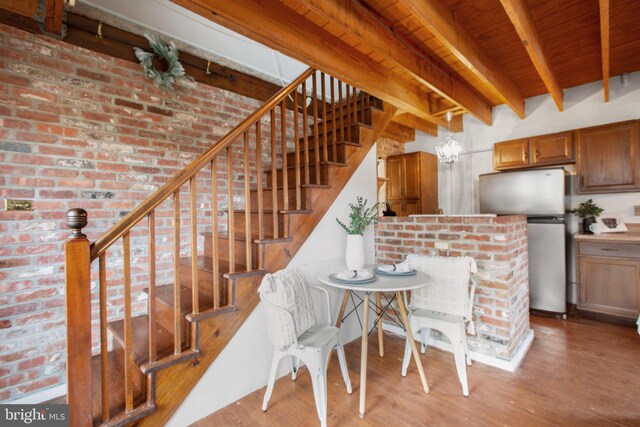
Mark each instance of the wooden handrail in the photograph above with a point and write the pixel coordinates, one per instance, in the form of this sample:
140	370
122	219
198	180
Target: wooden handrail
173	185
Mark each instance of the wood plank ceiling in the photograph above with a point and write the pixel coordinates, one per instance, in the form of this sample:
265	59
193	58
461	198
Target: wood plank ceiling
433	56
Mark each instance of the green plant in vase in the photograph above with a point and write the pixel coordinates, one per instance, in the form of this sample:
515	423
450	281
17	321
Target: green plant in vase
588	211
360	218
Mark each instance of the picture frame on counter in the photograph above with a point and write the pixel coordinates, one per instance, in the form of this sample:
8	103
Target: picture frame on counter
608	223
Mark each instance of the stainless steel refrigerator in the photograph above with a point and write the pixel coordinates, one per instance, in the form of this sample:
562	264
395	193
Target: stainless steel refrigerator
543	196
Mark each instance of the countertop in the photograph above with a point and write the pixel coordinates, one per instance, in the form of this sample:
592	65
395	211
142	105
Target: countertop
631	236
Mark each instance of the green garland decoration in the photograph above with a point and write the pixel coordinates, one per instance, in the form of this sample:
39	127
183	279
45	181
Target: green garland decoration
161	79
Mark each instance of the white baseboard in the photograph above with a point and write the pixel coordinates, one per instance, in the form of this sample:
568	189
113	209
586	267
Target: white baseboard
506	365
41	396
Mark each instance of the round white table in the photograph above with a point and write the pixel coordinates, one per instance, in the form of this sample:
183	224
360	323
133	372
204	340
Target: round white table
382	284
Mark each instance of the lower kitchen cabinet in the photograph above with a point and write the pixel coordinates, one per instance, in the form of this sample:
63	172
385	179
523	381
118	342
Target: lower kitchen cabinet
609	278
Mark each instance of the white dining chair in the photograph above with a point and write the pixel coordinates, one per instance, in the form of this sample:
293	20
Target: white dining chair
293	331
445	305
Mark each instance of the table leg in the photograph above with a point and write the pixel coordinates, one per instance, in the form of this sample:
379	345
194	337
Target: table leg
363	352
345	300
414	349
380	343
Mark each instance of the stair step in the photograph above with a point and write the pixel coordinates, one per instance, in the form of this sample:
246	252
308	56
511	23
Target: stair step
361	119
291	175
267	198
140	338
341	149
240	216
115	378
279	187
164	294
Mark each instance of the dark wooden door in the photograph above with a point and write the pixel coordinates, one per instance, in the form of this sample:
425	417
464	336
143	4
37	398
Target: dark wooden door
411	176
396	177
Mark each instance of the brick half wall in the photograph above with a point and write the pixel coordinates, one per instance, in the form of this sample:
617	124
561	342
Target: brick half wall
499	246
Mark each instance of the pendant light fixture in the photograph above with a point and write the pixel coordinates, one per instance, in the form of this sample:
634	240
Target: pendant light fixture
448	149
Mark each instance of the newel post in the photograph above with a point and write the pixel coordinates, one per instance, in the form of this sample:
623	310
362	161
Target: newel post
77	270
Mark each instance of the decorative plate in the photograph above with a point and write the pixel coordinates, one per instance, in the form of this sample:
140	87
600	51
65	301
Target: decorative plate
347	277
388	271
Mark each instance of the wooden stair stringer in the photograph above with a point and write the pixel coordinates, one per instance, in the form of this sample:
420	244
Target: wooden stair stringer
174	384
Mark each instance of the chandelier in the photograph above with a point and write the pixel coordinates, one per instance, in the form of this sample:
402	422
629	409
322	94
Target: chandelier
448	149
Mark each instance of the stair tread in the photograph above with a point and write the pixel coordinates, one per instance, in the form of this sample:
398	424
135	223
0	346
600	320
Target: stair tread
292	186
205	263
116	387
270	211
140	338
256	239
164	293
301	166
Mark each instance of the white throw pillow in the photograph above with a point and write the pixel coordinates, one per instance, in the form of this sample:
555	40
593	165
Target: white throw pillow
287	289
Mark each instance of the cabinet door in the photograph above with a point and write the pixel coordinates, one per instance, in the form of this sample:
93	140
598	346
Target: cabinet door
412	176
412	207
511	154
553	149
610	286
396	177
608	158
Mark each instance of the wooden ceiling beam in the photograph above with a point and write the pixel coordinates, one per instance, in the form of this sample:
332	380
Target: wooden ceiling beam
438	19
521	18
414	122
358	22
279	27
604	44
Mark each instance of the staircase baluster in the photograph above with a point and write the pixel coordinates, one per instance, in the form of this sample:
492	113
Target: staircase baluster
214	234
296	142
305	132
283	138
274	175
104	349
151	301
362	104
259	181
316	136
128	350
231	226
334	120
247	204
195	283
346	100
177	321
355	106
341	112
325	139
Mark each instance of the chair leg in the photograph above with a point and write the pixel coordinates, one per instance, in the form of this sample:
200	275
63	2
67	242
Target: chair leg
270	382
319	383
407	357
343	367
425	333
295	367
461	367
465	347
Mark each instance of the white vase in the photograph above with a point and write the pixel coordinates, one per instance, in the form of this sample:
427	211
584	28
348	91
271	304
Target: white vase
355	252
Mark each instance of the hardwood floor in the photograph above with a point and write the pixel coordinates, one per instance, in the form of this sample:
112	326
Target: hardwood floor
577	373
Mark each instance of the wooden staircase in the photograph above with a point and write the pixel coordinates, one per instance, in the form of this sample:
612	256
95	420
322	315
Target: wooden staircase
291	173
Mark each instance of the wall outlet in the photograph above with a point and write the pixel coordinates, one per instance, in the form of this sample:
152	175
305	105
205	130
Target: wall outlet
636	210
444	246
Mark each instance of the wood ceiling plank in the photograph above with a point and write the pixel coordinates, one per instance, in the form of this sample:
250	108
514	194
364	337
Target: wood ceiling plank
416	123
438	19
604	46
281	28
390	48
522	20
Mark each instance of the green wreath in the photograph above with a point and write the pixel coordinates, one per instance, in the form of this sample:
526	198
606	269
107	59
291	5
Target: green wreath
167	53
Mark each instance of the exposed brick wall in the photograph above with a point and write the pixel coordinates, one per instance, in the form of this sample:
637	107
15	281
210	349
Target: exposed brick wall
499	246
81	129
386	147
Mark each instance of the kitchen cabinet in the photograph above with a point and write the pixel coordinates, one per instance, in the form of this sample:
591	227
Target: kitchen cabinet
543	150
608	158
609	277
413	183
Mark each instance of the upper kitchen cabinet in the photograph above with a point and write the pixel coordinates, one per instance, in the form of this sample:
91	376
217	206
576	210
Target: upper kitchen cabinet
544	150
608	158
413	183
553	149
511	154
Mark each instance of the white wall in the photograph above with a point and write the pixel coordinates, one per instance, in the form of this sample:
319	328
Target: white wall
242	367
583	107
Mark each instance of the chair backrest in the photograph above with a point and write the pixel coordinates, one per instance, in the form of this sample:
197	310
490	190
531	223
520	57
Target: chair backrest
287	289
448	291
